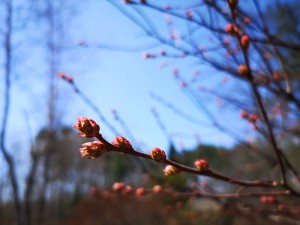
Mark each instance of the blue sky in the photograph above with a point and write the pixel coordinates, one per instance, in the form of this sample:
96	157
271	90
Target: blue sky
117	80
123	80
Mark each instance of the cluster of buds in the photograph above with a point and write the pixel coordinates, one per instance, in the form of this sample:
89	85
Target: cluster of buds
120	187
231	29
267	199
65	77
121	142
158	155
243	70
201	164
87	127
171	170
252	118
93	149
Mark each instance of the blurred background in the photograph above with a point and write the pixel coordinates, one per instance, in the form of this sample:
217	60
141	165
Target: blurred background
160	73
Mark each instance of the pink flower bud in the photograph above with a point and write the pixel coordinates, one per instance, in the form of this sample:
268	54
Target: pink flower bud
93	149
171	170
65	77
276	76
201	164
243	70
264	199
122	142
140	191
118	186
253	118
245	40
244	114
127	189
157	188
231	29
61	75
68	78
268	199
271	199
158	155
87	127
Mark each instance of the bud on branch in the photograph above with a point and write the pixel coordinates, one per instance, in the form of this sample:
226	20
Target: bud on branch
87	127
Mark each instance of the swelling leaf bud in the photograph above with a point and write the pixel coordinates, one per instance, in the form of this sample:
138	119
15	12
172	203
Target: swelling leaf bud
244	114
243	70
87	127
158	155
121	142
93	149
245	40
140	191
201	164
171	170
231	29
157	188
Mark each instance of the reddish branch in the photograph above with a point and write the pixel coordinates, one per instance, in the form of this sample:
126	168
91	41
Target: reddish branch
208	173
